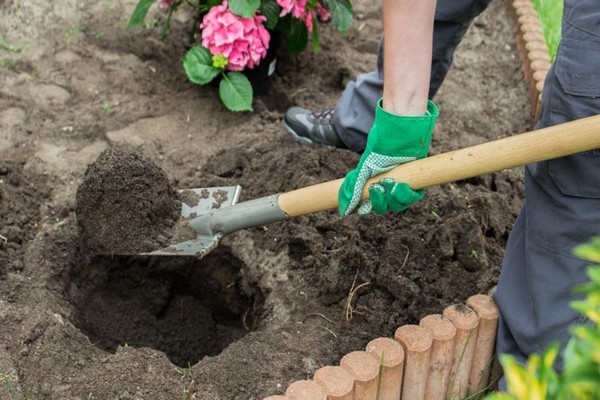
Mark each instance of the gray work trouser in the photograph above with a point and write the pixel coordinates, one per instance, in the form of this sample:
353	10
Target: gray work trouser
355	111
562	206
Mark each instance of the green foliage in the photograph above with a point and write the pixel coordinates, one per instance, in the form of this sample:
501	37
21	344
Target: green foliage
296	34
580	378
341	13
139	14
590	252
7	63
236	92
234	89
167	25
271	10
550	13
315	35
71	32
243	8
7	379
198	65
6	46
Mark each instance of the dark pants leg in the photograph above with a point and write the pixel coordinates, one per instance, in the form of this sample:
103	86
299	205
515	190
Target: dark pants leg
355	111
562	207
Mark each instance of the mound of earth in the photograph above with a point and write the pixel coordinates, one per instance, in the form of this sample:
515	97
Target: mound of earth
125	205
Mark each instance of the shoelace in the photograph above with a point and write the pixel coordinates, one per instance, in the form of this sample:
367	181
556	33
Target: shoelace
324	115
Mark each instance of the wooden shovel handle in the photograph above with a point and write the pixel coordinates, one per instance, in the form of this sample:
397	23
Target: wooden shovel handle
539	145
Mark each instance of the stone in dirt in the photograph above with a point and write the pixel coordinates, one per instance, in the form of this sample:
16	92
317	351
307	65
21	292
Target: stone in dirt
125	205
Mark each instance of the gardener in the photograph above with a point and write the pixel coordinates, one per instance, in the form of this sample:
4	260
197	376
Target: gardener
562	207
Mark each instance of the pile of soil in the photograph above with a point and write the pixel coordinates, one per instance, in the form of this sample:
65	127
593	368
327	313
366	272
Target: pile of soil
125	205
270	305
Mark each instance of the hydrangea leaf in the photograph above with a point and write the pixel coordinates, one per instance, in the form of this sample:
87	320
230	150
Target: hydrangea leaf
198	65
297	36
236	92
341	13
271	10
139	14
243	8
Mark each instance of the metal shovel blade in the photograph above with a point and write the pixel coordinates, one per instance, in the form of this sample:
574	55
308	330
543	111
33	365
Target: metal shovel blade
208	200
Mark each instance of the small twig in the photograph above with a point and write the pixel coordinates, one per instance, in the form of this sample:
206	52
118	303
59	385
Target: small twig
244	320
364	311
191	390
353	290
317	315
328	330
348	307
297	92
5	240
333	250
405	258
360	286
352	296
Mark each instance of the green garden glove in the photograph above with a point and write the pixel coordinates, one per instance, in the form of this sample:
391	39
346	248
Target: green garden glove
393	140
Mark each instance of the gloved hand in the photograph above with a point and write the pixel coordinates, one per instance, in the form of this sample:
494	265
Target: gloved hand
393	140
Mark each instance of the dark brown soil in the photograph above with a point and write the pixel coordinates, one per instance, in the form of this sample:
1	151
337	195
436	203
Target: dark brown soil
18	191
125	205
270	305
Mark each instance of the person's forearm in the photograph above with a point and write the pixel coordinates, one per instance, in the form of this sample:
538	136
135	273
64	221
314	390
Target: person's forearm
408	31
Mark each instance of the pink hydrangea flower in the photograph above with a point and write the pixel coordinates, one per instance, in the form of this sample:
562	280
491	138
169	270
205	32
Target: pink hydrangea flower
165	5
243	41
297	8
308	21
322	12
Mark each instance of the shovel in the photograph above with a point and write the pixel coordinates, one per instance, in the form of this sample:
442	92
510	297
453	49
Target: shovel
213	223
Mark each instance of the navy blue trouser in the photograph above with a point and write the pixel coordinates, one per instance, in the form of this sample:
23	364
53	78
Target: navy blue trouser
355	110
562	207
562	202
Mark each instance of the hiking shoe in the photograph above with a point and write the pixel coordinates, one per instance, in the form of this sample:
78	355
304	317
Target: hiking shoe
308	127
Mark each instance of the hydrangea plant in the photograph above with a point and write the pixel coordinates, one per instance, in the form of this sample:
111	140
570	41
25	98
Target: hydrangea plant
236	35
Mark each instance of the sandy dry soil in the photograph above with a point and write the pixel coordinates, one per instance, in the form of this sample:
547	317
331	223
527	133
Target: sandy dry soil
248	319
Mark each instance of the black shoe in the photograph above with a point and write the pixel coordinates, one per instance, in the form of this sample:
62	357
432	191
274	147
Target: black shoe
309	128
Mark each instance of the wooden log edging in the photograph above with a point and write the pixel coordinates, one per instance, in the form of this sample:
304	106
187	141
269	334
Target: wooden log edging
532	49
444	357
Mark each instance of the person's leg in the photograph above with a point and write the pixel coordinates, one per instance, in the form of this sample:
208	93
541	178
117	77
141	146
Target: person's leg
348	124
563	203
355	110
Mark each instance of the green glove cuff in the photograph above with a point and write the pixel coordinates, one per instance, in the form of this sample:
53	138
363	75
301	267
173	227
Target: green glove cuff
398	135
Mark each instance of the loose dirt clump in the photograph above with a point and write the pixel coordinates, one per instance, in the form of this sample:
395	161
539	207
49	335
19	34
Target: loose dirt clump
189	197
125	205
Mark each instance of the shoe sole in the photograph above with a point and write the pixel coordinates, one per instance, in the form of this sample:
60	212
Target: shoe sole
305	140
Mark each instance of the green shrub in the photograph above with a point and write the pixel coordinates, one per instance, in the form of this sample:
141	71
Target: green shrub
550	13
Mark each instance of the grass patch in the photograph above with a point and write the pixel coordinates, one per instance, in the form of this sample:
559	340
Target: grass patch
550	13
7	46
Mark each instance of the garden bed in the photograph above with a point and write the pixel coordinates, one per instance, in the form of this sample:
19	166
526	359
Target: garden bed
270	306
